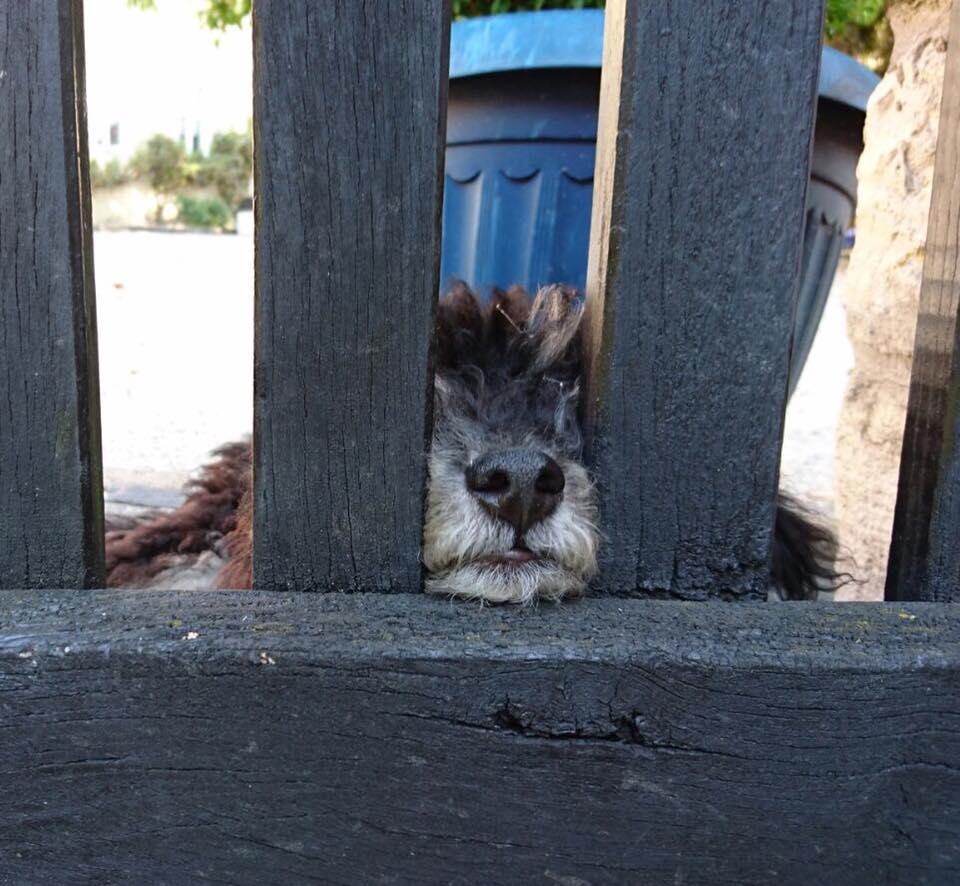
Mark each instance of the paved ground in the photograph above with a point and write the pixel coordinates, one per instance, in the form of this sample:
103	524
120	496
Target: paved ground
176	366
175	315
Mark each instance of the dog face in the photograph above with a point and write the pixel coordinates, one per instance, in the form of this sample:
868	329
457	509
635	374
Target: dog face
511	512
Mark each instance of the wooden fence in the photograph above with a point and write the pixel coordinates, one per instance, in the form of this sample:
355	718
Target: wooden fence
386	737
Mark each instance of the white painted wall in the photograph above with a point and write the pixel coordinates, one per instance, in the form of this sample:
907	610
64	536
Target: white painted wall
162	71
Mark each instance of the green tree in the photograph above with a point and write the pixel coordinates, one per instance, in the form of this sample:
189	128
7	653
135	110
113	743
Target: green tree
860	28
218	15
857	13
160	162
229	166
109	176
199	212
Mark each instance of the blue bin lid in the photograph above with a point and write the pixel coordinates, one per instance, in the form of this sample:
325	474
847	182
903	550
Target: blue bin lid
573	38
845	80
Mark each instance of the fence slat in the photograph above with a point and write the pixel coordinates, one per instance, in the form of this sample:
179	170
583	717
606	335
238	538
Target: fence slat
924	553
350	112
706	120
51	503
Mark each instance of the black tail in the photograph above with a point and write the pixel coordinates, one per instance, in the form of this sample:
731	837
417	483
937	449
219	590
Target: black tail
804	554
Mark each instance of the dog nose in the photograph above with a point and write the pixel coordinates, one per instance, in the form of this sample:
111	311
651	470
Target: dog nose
519	486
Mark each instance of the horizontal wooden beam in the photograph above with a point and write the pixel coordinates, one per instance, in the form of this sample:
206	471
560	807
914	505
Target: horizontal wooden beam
264	737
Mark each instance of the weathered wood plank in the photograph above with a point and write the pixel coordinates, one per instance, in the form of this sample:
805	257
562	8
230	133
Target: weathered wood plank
925	554
362	738
706	117
350	109
51	506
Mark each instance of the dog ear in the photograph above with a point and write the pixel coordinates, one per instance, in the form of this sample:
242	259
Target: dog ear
459	329
553	327
510	333
506	324
469	333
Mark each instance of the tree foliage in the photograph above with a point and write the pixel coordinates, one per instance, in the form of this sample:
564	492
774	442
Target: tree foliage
111	175
842	14
166	168
860	28
229	165
202	212
218	14
160	162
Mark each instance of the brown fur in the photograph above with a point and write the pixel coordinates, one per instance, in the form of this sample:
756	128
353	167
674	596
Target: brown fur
238	573
470	333
137	555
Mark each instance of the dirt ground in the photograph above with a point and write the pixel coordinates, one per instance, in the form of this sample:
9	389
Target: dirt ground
175	315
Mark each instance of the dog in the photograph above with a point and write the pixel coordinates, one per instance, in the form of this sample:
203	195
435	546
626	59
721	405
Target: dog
511	512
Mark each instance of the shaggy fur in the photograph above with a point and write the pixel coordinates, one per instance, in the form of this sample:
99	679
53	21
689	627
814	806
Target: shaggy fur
507	378
148	550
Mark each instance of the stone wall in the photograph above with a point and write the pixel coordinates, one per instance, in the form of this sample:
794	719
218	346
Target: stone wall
134	205
883	284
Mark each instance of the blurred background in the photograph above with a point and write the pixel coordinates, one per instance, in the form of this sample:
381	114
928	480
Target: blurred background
169	115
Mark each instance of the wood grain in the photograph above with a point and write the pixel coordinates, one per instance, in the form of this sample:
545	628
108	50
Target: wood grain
350	107
706	120
924	559
158	737
51	505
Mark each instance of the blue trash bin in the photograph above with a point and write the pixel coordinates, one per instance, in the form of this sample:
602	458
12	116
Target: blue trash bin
521	144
